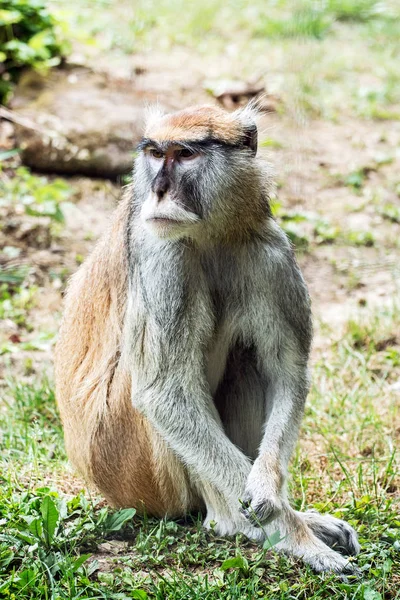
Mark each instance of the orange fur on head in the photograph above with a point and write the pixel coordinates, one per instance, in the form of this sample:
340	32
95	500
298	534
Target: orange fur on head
195	124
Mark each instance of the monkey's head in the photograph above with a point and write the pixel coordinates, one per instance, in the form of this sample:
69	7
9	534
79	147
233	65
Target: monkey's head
196	174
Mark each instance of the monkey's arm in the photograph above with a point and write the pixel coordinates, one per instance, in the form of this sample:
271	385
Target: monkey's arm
285	397
185	418
282	345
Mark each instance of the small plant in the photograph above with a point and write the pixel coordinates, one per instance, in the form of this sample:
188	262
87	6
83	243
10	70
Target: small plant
305	21
15	302
356	179
373	336
391	212
36	196
360	238
30	36
380	102
271	143
355	10
325	233
293	224
40	545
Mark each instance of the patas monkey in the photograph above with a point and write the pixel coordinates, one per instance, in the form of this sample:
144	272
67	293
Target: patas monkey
181	364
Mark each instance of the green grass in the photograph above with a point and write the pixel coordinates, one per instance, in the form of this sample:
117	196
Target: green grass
57	542
357	45
148	20
307	229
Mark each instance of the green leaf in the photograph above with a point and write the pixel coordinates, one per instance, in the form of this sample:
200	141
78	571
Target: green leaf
40	40
79	561
139	594
238	562
26	578
47	209
25	537
22	52
8	17
116	521
370	594
7	153
387	566
50	517
36	527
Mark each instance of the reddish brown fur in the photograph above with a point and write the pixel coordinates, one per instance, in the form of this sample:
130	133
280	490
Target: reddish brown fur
110	443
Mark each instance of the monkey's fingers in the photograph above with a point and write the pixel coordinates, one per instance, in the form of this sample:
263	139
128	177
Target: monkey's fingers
261	512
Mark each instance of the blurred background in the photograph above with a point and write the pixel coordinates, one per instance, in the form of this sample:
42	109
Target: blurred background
75	79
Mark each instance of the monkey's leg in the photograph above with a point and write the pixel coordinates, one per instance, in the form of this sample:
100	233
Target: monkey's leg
133	467
115	448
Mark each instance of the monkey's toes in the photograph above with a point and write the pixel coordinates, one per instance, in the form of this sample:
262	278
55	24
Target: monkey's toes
260	512
334	563
335	533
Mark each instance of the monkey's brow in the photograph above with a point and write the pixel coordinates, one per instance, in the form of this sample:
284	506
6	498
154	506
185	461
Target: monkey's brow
162	146
189	144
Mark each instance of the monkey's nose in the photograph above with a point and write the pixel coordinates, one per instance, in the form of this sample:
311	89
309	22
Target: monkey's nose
161	186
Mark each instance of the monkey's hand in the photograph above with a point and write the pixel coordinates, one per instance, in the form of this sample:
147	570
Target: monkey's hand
262	500
229	525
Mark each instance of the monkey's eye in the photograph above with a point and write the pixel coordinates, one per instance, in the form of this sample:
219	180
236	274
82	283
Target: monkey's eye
186	153
155	153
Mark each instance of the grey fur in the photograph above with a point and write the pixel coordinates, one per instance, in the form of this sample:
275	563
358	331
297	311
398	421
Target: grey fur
218	333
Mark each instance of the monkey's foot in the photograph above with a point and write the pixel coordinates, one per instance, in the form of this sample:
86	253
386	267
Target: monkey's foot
297	537
323	559
335	533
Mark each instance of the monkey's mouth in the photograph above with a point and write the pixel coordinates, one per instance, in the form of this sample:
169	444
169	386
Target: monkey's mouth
171	221
172	224
166	227
164	221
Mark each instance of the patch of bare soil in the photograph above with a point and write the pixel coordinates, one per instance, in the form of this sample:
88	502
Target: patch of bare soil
360	268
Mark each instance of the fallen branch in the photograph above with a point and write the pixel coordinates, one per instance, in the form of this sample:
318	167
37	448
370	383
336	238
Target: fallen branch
10	115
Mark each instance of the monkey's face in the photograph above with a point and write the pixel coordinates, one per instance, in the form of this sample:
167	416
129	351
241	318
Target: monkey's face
168	210
195	172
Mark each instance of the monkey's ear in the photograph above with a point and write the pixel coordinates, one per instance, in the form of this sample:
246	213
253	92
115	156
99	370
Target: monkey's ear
251	137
